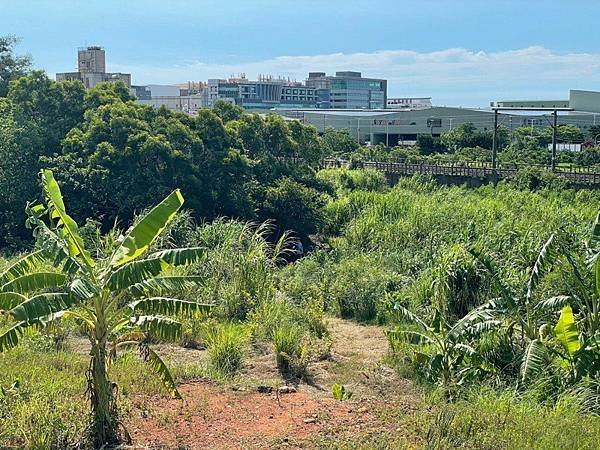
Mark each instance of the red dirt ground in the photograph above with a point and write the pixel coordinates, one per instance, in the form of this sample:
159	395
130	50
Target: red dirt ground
221	416
213	417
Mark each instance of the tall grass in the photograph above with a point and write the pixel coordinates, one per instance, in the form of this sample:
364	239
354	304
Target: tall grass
226	344
403	240
489	419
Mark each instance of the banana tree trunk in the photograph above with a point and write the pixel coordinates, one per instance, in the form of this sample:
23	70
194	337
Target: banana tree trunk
104	408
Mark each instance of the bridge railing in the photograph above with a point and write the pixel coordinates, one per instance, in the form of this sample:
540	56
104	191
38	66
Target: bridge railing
474	169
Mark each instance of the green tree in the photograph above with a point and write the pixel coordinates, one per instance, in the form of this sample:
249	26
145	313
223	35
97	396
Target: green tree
338	142
41	112
467	135
277	137
227	111
120	298
306	142
249	135
12	188
588	156
594	132
293	206
428	144
11	65
107	92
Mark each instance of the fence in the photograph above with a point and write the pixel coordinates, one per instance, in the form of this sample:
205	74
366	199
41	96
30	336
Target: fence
473	169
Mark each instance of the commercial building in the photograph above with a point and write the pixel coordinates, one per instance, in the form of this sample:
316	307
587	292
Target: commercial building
265	93
409	103
401	127
189	104
91	69
579	100
348	90
344	90
173	97
141	92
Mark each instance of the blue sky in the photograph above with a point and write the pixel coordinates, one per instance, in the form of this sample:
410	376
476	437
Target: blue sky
460	52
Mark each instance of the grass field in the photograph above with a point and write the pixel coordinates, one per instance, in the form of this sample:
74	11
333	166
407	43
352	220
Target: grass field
259	369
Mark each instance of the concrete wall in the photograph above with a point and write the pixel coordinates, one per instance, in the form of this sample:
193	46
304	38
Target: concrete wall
588	101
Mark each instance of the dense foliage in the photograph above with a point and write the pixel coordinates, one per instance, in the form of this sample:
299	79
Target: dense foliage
490	285
116	157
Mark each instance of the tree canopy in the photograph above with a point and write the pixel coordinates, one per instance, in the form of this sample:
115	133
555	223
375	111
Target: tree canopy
115	156
11	66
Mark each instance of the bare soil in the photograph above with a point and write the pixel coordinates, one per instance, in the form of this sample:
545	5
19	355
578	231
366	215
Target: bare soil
237	416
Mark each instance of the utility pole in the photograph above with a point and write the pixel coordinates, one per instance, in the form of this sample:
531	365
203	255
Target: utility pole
494	144
554	126
387	133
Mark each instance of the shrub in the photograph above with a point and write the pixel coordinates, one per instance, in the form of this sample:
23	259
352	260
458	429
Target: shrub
344	180
270	314
226	344
292	349
489	419
534	178
294	206
358	287
240	266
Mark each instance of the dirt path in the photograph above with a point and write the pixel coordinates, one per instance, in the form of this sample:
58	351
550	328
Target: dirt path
214	416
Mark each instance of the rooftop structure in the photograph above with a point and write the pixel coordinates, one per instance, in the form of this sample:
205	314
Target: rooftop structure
91	69
265	93
348	90
579	100
408	103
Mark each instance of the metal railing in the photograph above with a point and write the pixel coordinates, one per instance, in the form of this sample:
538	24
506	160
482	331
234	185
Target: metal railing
474	169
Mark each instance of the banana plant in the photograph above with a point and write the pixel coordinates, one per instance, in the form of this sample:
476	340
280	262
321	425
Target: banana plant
586	297
443	350
522	310
579	355
576	336
120	300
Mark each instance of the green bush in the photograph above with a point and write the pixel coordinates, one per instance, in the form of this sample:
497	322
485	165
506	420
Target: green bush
47	410
358	287
345	180
534	178
292	349
294	206
308	314
226	344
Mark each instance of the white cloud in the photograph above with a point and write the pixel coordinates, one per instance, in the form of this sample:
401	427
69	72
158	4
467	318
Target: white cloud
453	76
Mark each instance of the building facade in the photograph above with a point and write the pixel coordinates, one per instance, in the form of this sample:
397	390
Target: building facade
91	69
189	104
265	93
401	127
409	103
348	90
